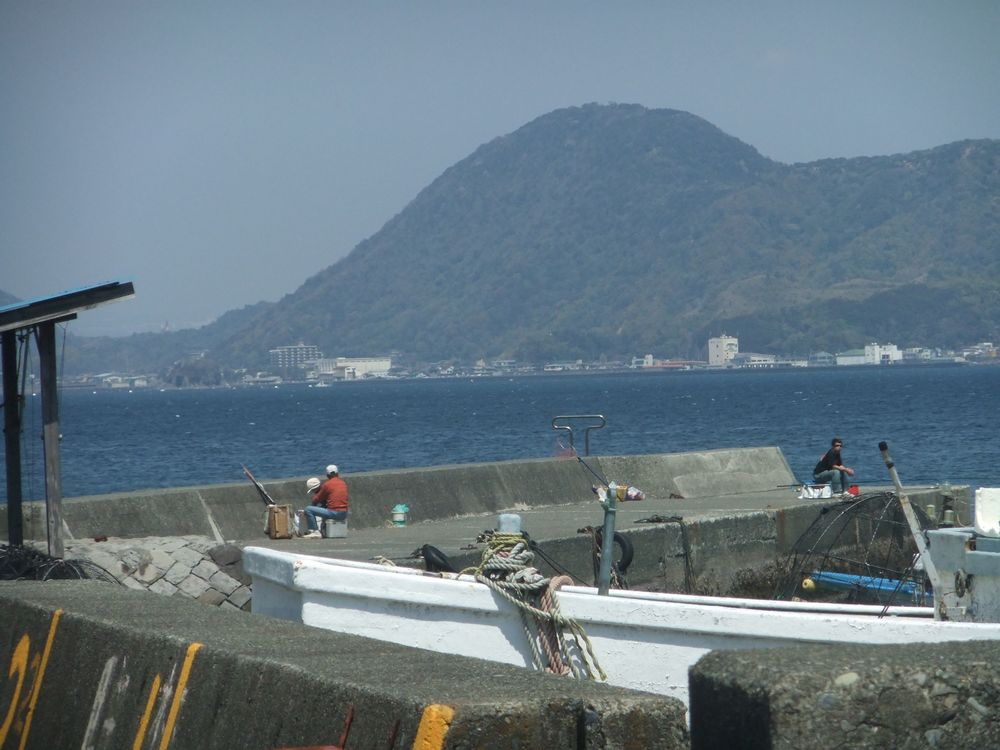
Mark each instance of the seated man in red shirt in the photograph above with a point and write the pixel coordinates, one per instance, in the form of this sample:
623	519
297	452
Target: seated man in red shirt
330	501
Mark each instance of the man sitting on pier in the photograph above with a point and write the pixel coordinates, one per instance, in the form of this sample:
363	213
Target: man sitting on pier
331	501
831	469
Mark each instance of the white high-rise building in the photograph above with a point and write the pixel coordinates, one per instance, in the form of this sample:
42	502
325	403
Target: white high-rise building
294	356
722	349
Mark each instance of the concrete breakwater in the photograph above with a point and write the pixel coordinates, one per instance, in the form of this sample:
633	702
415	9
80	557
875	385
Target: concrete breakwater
87	664
235	511
186	540
719	515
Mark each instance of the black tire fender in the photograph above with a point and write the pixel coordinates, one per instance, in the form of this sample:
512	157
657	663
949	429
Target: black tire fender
623	543
435	560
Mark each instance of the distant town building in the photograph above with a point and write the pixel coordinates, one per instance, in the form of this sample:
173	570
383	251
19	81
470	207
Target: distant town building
872	354
649	362
851	357
753	360
822	359
984	350
919	354
353	368
792	362
722	349
882	354
299	355
563	366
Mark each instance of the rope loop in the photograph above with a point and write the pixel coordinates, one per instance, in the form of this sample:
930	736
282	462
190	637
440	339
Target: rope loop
507	568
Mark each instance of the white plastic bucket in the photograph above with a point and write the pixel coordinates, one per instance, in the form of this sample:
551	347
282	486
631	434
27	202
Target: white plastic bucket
399	514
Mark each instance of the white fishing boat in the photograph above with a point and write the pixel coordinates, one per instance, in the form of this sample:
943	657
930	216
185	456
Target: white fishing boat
645	641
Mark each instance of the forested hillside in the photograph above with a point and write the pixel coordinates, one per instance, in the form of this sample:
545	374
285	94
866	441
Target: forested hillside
618	230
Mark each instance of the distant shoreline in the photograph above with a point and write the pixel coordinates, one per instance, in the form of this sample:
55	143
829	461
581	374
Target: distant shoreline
581	372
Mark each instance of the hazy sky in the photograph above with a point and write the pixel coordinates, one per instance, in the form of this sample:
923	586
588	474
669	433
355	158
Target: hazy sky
219	153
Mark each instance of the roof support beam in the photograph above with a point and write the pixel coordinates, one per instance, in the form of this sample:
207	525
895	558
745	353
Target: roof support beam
50	435
12	439
41	315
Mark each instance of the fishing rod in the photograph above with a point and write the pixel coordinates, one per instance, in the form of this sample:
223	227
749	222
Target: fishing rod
911	518
603	480
268	500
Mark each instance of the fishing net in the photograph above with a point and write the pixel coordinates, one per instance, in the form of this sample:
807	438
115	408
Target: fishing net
858	551
19	563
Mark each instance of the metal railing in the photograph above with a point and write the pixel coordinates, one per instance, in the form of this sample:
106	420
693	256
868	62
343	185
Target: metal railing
565	422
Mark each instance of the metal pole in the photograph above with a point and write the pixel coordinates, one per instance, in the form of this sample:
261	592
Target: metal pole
911	519
12	440
50	436
607	540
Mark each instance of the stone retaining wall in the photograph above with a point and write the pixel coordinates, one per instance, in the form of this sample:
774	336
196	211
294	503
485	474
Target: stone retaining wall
189	566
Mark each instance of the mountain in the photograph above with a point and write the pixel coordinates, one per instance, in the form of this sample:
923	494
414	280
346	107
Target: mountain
157	352
7	299
619	230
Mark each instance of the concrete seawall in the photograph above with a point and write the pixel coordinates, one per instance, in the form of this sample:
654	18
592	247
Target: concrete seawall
739	514
186	541
87	664
235	511
862	697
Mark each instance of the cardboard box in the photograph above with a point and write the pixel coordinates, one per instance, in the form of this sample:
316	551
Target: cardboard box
279	521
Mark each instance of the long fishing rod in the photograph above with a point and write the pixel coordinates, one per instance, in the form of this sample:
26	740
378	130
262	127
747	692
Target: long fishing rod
600	478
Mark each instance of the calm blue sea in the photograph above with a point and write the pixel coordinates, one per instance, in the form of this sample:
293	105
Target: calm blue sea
941	423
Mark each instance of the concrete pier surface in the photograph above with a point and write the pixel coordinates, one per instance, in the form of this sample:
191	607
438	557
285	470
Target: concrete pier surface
707	517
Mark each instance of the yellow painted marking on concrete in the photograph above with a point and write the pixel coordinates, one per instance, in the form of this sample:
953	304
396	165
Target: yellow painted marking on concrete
19	664
36	688
434	725
175	707
140	735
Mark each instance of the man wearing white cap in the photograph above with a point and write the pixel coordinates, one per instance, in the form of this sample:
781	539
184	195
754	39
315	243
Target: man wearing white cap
330	501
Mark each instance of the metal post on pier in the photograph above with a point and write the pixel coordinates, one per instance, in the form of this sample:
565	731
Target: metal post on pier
607	539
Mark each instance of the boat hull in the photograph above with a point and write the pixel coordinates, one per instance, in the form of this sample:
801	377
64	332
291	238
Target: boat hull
643	641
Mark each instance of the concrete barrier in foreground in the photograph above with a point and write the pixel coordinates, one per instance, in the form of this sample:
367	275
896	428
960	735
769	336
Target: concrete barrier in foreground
822	698
91	665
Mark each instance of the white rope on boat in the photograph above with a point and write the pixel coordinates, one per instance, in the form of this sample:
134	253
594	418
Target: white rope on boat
506	569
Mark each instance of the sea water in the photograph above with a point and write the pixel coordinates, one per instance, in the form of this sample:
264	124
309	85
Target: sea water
941	423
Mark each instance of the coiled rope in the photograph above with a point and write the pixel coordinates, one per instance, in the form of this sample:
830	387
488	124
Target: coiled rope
506	567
